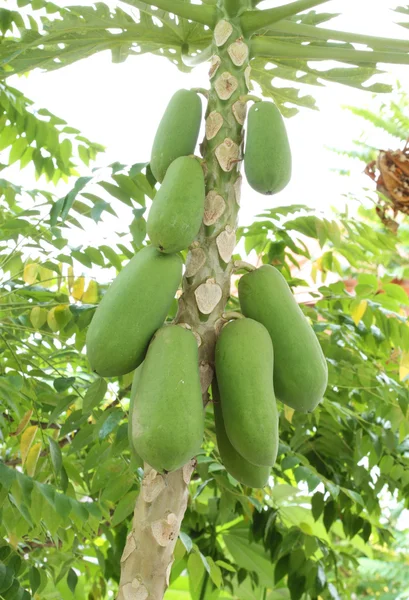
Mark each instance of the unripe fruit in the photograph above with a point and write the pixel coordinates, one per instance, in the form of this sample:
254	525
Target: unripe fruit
177	210
134	307
245	472
136	458
267	155
300	369
168	415
244	371
177	132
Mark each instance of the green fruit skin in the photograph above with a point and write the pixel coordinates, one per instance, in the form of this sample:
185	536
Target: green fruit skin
300	369
136	459
267	156
133	308
242	470
244	370
177	211
177	133
168	415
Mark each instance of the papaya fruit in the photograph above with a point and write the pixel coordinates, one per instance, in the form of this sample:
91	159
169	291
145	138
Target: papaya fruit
177	132
300	368
267	154
135	456
168	415
245	472
133	308
177	210
244	371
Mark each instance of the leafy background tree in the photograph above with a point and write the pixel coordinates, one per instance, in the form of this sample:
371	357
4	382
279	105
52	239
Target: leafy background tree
68	482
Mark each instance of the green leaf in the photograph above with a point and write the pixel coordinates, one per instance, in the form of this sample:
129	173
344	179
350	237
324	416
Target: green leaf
186	541
124	508
250	556
72	580
56	456
6	578
110	424
61	384
281	568
35	579
215	572
317	505
138	231
196	572
112	257
95	395
330	514
116	192
396	291
17	150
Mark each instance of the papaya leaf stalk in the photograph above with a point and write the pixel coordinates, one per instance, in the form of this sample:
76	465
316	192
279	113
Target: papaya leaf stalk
253	21
274	49
147	557
204	14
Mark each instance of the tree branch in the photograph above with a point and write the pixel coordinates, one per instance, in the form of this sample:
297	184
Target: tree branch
206	15
254	20
273	49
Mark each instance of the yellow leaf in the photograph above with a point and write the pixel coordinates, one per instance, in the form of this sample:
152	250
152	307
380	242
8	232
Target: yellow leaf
32	459
23	423
91	295
30	273
404	366
58	317
46	276
358	311
51	320
38	316
70	278
78	288
27	439
288	413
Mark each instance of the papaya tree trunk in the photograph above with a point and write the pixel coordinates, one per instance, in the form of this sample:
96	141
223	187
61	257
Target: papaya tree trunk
148	554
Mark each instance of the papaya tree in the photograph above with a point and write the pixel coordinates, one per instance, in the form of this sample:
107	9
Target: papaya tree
240	41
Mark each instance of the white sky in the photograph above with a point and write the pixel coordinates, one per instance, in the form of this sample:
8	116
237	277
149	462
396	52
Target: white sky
119	106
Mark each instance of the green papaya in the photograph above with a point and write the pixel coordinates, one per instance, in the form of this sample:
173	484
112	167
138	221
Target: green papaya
168	415
245	472
300	368
134	307
177	211
177	132
244	370
267	155
135	456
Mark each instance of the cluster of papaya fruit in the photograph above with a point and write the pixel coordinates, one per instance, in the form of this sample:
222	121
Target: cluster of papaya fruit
127	332
271	351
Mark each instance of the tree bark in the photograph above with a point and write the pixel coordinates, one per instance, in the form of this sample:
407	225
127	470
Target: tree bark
148	555
160	507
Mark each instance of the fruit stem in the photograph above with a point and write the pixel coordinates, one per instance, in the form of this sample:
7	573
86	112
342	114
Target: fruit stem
249	98
241	265
202	91
230	316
